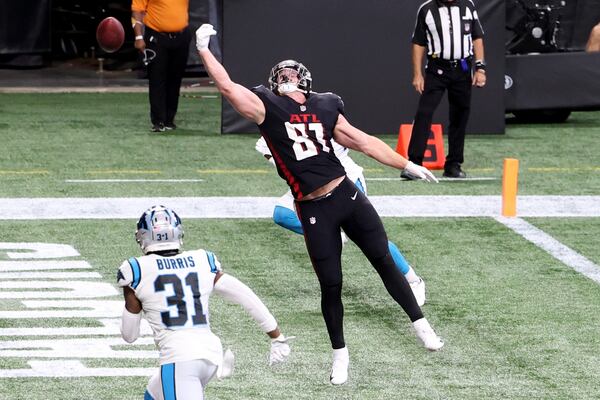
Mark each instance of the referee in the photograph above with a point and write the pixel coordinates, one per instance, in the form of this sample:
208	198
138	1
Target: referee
162	35
450	33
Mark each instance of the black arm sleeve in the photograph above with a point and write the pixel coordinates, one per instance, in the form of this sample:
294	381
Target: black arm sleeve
477	28
420	34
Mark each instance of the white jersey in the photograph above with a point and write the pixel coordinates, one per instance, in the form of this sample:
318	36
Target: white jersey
174	293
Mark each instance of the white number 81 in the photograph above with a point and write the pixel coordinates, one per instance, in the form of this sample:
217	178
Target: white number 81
303	146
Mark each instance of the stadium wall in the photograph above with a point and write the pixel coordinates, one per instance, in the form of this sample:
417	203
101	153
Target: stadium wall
362	53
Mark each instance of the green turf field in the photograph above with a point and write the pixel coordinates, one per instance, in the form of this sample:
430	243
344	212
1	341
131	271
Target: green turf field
517	322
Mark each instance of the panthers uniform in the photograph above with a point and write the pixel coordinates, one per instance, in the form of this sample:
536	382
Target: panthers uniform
174	293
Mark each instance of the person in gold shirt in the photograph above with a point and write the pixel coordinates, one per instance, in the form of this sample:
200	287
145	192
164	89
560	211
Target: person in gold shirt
162	35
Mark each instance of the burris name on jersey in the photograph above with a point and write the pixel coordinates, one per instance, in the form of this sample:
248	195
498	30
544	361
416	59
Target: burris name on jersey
175	263
303	118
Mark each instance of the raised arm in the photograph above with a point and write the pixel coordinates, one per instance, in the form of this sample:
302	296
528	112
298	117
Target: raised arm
349	136
242	99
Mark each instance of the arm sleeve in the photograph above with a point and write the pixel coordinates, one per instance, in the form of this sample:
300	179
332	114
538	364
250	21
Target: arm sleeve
420	33
477	28
234	290
130	325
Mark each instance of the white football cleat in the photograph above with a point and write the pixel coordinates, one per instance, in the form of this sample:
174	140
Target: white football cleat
418	289
339	368
426	335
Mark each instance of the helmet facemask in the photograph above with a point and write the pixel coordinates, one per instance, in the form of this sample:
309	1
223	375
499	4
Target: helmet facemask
290	76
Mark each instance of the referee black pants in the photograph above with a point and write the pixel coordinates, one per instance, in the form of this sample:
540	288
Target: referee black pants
165	72
348	208
458	84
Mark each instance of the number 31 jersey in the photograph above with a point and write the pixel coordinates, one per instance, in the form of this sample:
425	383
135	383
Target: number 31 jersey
174	293
299	137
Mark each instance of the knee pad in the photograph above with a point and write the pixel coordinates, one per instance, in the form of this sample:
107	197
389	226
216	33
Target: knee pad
288	219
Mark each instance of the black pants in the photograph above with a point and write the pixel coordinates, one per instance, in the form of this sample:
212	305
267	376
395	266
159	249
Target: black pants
458	83
348	208
165	72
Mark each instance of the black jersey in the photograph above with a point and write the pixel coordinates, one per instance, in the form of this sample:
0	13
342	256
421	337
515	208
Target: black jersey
299	137
447	31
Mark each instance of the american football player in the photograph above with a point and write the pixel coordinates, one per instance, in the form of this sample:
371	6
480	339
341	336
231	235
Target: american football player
285	215
170	288
298	125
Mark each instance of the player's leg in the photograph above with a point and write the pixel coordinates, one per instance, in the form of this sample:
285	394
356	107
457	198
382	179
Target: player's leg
416	283
181	380
430	99
154	388
364	227
157	78
284	213
177	63
459	103
322	237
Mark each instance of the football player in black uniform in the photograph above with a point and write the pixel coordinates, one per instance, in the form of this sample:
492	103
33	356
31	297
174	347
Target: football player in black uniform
298	126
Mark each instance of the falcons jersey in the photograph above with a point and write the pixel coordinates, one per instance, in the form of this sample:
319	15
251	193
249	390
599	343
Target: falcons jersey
299	137
174	294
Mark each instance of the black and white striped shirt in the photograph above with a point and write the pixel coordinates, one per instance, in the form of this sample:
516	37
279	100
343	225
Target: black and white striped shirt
447	31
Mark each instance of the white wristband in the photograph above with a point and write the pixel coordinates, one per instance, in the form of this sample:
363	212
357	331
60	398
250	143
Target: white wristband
139	37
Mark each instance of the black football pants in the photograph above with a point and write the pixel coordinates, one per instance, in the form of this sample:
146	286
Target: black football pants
348	208
458	83
165	72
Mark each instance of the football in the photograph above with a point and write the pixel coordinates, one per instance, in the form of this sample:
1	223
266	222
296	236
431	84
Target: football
110	34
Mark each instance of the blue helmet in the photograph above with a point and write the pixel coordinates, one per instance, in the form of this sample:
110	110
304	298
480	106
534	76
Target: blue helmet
158	229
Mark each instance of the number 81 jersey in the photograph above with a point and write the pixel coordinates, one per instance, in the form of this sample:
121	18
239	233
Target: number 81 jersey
299	137
174	293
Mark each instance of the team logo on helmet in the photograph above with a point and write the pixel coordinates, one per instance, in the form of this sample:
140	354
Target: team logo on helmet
159	228
290	76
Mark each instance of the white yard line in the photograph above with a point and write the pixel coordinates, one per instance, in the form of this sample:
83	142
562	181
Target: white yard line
131	180
556	249
442	179
262	207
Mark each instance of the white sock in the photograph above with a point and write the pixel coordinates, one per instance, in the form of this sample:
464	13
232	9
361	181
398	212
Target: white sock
341	354
411	276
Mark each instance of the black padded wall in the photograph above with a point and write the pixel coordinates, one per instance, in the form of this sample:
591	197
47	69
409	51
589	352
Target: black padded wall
359	50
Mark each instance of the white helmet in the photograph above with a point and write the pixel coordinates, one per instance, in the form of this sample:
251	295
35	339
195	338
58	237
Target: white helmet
159	228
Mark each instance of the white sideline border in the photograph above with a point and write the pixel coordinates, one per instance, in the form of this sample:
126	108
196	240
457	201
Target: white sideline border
387	206
262	207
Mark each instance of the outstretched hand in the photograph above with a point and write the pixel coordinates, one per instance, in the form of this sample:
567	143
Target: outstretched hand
280	349
420	172
203	35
